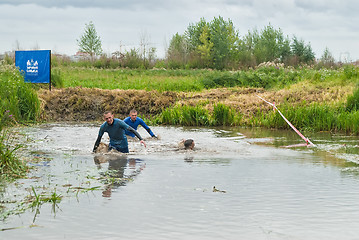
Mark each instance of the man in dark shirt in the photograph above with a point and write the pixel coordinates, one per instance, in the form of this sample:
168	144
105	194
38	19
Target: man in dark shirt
116	130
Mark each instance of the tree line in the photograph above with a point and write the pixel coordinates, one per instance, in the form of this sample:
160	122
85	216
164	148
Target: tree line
216	44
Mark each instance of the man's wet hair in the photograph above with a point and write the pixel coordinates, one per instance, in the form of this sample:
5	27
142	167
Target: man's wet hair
133	111
107	112
188	143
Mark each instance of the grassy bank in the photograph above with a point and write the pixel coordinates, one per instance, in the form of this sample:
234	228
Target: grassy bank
18	104
312	99
312	117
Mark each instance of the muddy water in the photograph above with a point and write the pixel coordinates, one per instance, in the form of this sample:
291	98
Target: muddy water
262	190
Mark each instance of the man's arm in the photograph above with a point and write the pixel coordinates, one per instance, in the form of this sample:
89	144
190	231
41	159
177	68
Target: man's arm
98	140
136	134
131	129
144	125
97	143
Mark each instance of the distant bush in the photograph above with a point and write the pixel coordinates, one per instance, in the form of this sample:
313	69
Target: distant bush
350	71
9	60
262	77
220	79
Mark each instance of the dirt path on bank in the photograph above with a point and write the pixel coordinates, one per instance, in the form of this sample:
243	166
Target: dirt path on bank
84	104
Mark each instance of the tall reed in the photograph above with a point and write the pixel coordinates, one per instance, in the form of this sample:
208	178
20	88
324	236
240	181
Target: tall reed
18	103
17	96
314	117
11	166
222	115
184	115
353	101
198	115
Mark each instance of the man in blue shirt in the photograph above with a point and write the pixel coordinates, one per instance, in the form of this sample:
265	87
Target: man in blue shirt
134	121
116	130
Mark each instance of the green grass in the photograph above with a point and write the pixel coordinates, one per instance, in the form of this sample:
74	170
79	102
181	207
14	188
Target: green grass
16	96
223	115
197	80
185	115
18	103
160	80
11	167
315	117
38	199
353	101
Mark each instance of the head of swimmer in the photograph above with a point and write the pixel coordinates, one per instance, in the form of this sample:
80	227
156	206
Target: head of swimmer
189	144
133	115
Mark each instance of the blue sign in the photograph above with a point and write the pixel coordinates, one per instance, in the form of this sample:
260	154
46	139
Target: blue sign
35	65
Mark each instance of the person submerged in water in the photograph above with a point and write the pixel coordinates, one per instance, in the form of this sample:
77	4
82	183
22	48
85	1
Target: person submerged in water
187	144
116	130
134	121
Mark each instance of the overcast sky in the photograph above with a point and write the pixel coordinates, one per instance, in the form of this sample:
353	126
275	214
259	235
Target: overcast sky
121	24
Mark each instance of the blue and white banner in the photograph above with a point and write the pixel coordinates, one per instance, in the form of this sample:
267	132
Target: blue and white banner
35	65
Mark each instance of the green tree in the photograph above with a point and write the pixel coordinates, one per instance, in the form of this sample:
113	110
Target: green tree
215	43
132	59
246	51
225	41
327	58
206	47
193	34
193	38
302	52
90	42
270	45
177	52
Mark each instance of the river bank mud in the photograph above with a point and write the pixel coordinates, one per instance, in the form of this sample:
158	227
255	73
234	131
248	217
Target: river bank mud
86	104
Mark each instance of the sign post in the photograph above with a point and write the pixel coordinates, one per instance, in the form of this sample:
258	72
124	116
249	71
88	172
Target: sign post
35	65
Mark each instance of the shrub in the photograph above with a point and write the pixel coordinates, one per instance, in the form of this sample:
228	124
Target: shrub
350	71
220	79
